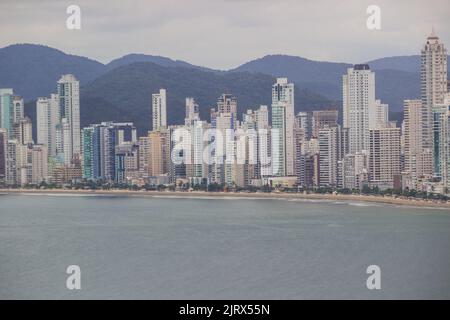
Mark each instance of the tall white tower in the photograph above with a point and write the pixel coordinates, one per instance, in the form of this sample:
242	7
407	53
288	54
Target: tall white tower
359	110
283	128
433	78
47	117
68	89
159	110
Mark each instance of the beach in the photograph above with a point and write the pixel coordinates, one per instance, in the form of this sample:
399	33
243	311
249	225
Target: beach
253	195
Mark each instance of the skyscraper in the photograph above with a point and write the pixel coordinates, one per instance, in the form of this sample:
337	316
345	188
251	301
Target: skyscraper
68	90
322	118
223	121
7	110
384	156
283	128
18	109
441	139
359	105
3	150
159	110
417	158
329	155
158	153
23	131
381	114
192	111
99	148
433	79
47	118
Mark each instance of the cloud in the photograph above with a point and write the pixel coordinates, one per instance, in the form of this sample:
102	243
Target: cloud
226	33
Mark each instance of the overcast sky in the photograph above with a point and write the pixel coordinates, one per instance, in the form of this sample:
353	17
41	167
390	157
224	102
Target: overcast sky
223	34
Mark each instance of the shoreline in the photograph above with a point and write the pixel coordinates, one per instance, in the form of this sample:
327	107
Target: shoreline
273	195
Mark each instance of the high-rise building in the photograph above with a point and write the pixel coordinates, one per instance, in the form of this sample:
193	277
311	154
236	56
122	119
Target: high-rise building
158	153
192	111
433	79
333	146
359	105
64	150
18	109
179	152
283	128
223	123
303	120
3	151
68	90
381	114
127	162
418	160
328	138
11	162
7	111
47	118
39	163
353	167
143	156
441	141
99	148
23	131
322	118
264	162
159	110
384	156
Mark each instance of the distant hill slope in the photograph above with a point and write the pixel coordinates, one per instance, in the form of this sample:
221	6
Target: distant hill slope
159	60
397	78
324	77
124	94
403	63
32	70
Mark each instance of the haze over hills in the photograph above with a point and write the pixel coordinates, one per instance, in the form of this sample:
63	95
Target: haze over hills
122	88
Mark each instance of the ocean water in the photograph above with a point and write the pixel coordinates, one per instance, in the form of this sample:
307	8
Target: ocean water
131	247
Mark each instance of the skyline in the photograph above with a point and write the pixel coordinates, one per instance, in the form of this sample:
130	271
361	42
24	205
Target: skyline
150	30
365	151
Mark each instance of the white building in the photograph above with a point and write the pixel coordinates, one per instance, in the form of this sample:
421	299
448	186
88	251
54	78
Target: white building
381	114
433	77
359	113
283	153
441	134
68	89
47	118
18	109
159	110
418	160
384	156
192	111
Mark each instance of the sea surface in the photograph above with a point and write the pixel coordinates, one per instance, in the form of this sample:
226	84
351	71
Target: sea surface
134	247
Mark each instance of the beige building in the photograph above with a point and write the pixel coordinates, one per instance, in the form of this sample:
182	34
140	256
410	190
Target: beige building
322	118
384	155
418	159
158	153
433	77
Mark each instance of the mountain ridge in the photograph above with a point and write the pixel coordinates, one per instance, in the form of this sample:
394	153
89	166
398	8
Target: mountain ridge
32	70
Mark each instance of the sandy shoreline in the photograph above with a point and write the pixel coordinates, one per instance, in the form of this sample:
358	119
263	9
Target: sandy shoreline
273	195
